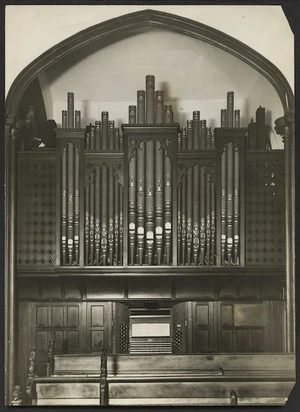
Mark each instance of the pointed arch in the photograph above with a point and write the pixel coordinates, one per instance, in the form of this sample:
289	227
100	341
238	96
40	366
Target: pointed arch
118	28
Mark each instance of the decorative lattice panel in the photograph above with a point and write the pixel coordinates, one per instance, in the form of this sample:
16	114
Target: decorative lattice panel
265	210
36	215
124	338
177	339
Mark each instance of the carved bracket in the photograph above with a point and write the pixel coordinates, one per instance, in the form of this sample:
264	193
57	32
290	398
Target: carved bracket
210	168
116	164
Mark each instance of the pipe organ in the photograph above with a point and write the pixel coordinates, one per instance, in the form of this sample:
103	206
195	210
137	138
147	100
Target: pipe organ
162	241
154	194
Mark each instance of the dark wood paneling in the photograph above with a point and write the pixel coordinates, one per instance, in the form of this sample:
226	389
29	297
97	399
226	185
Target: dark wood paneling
72	341
97	315
59	341
272	289
202	315
252	314
257	340
203	326
242	340
71	290
229	290
145	288
202	340
112	288
226	340
57	316
41	316
51	289
72	316
274	334
66	319
97	341
99	326
28	289
227	315
250	289
191	288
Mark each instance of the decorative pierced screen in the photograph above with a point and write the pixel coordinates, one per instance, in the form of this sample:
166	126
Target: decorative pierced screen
36	217
177	339
124	337
265	210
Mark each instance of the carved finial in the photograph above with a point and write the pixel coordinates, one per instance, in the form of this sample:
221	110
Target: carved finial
16	396
31	375
233	398
50	359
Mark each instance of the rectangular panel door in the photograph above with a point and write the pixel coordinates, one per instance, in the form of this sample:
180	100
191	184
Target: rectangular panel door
203	321
68	322
99	326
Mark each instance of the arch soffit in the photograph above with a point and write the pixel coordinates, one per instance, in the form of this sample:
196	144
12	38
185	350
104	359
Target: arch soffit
118	28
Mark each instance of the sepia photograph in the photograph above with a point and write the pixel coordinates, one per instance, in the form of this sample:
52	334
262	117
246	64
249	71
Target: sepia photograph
149	206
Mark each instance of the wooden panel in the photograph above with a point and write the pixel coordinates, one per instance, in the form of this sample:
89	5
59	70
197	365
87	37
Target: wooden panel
71	290
99	326
272	290
72	316
250	314
146	288
57	316
154	364
68	402
203	324
226	315
196	390
257	340
170	401
97	315
202	315
70	390
51	289
250	289
242	340
42	316
227	340
108	288
229	290
42	341
275	341
202	340
28	289
96	340
191	288
72	341
59	341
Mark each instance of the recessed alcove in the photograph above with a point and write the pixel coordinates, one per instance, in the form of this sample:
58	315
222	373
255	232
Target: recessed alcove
194	75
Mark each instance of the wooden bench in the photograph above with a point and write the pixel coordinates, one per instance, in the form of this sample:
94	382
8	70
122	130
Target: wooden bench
191	379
